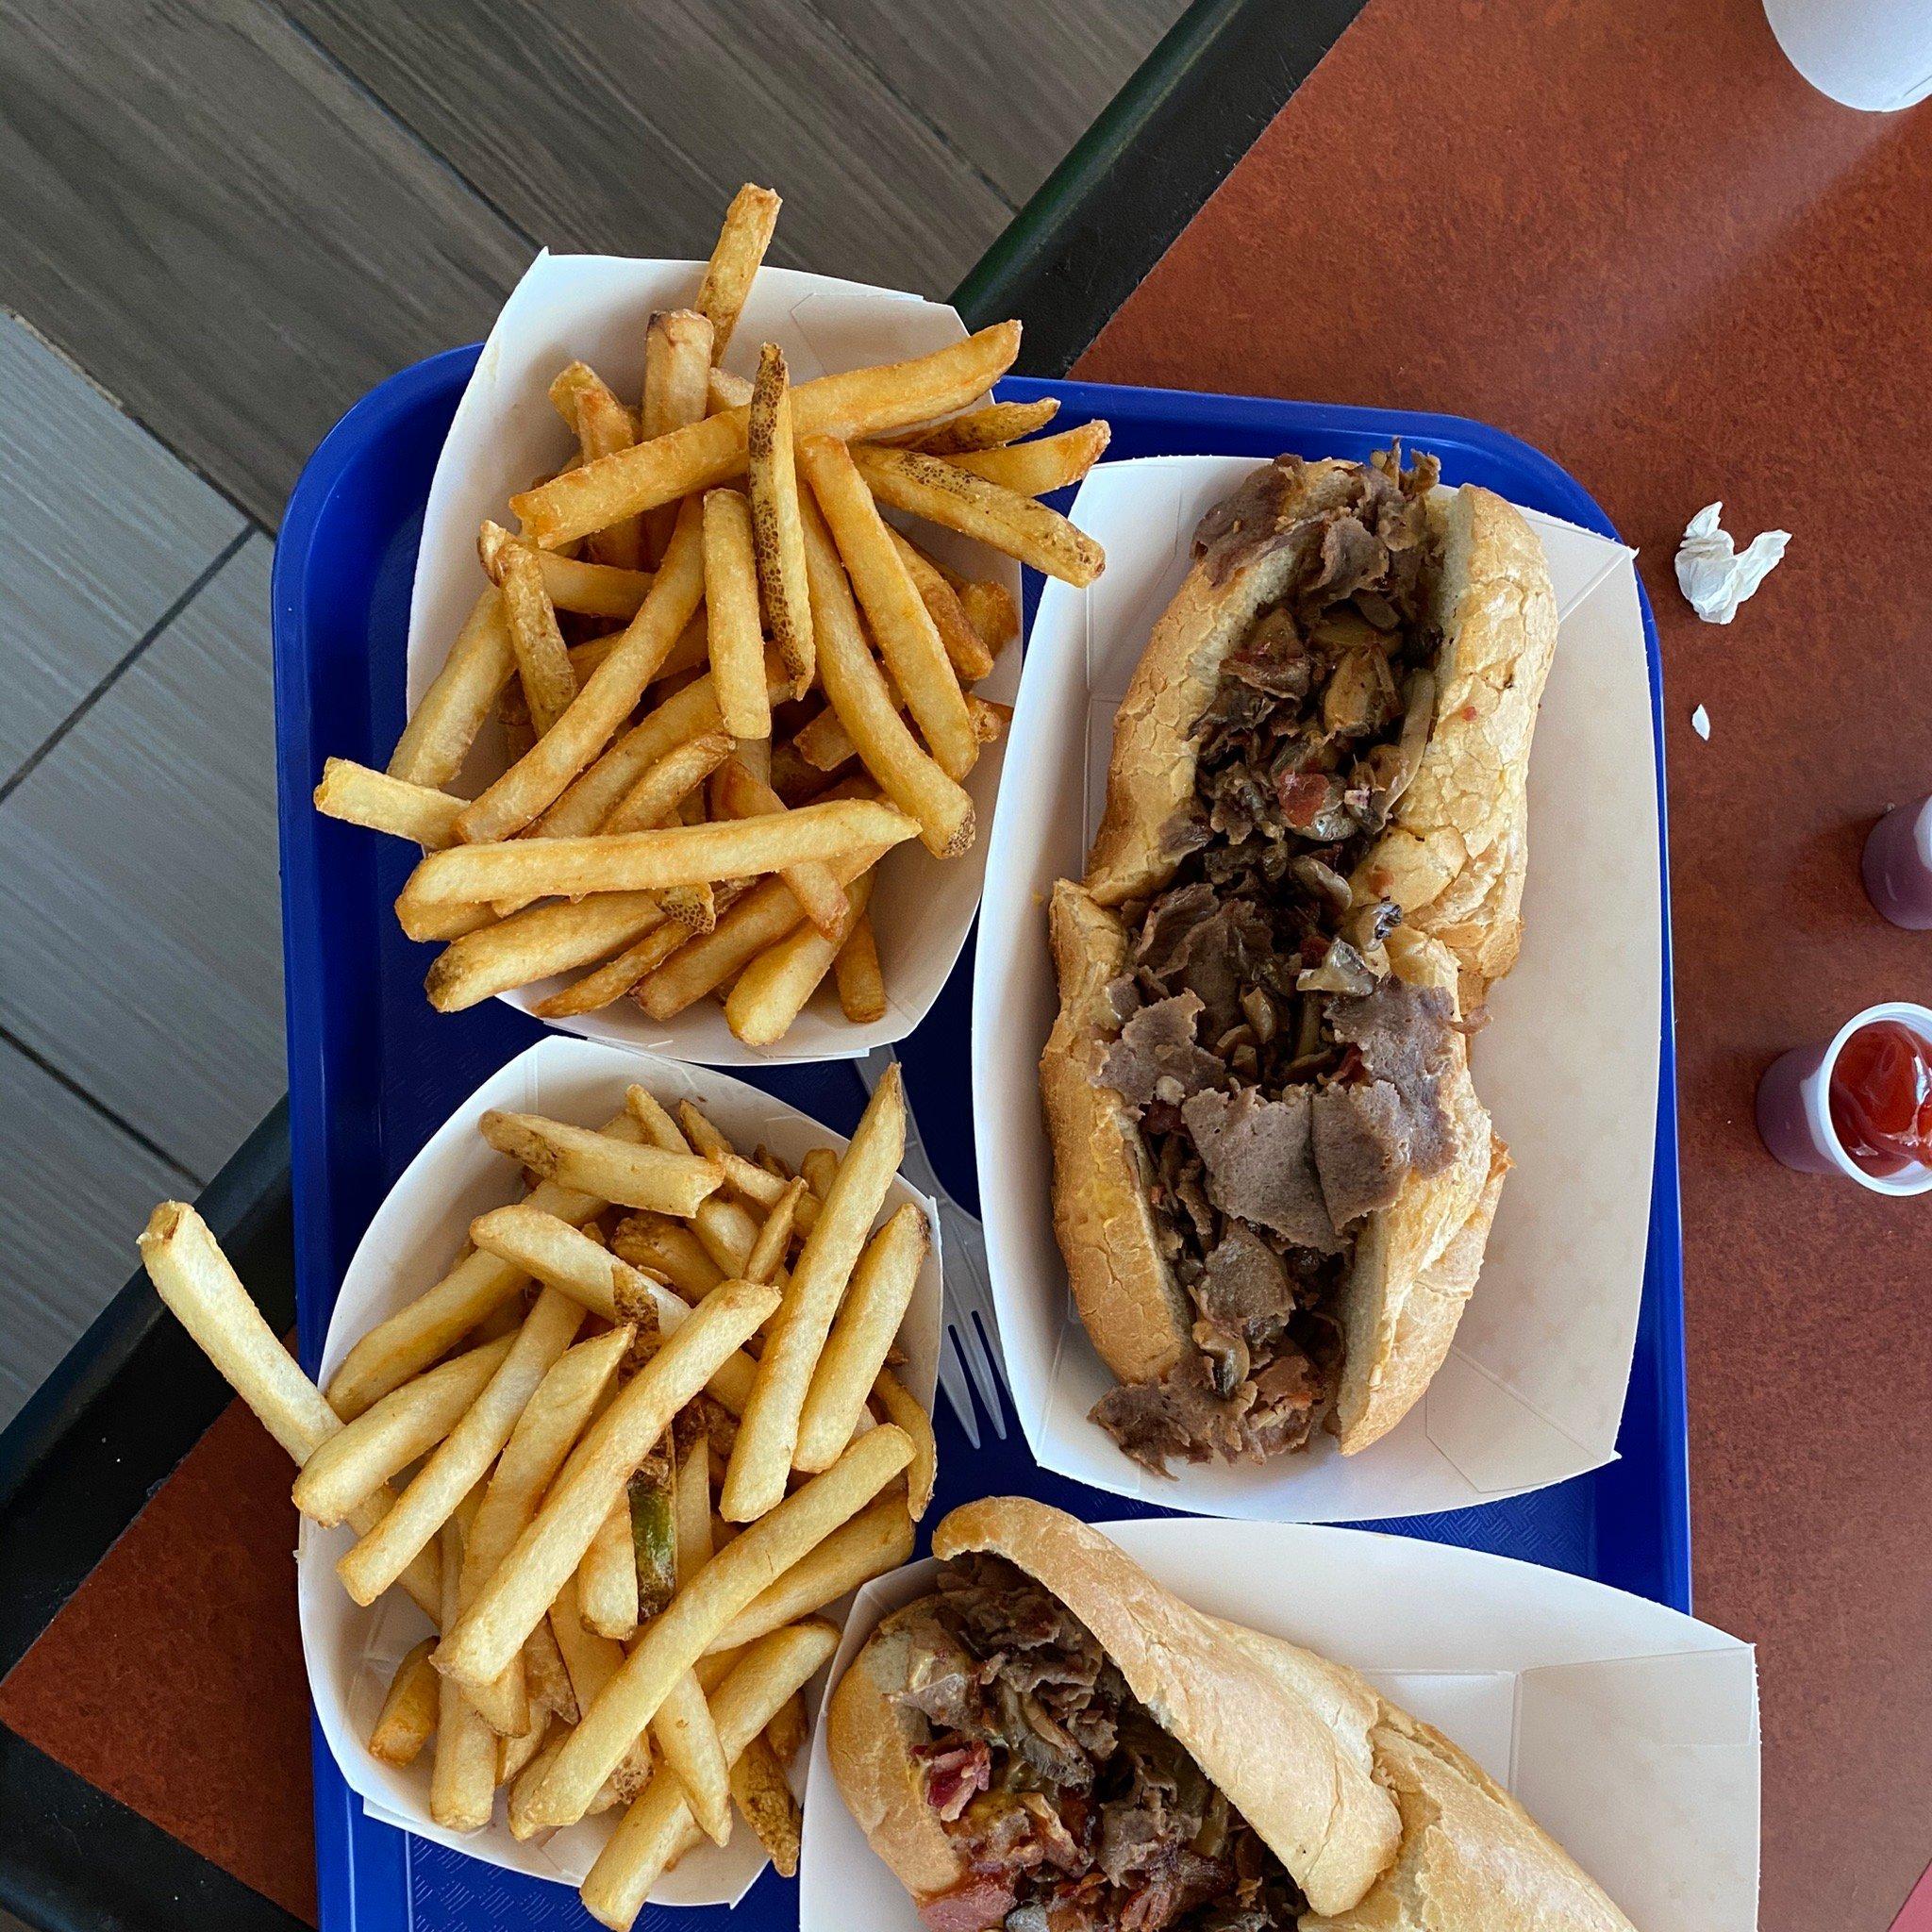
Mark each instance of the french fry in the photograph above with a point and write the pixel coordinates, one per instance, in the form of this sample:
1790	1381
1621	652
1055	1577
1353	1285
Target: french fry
423	1329
406	1721
558	1254
464	1455
612	1168
615	977
593	1660
878	1538
420	921
989	609
608	1577
820	1167
983	429
651	862
570	388
777	543
407	1422
677	359
604	426
610	694
667	1650
663	786
536	944
669	1249
760	1792
945	494
731	614
725	391
766	913
904	1412
550	1549
686	1738
444	724
553	1419
730	1382
462	1781
767	1186
542	663
361	797
690	1501
1037	469
743	795
774	987
723	1229
787	1730
585	590
858	694
857	403
907	636
861	980
875	1302
966	650
201	1290
658	1828
735	258
545	1673
768	1432
768	1252
513	1754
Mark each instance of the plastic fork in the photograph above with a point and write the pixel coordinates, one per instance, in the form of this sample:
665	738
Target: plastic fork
966	1298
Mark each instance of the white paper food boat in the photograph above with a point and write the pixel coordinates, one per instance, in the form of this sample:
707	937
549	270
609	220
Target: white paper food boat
1533	1387
350	1653
505	434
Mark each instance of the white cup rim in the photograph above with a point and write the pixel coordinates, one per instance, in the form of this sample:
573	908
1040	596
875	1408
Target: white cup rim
1914	1179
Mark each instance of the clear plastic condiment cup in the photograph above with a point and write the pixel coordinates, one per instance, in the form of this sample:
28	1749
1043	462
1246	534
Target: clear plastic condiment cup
1794	1105
1897	865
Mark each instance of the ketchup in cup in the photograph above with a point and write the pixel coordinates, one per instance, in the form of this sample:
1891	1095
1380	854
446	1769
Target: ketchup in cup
1881	1097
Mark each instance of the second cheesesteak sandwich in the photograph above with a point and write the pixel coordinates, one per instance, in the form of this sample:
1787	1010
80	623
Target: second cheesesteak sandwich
1272	1179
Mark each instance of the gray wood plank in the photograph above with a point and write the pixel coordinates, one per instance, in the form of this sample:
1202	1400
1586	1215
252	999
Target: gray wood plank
75	1190
138	886
624	126
224	229
101	530
1012	84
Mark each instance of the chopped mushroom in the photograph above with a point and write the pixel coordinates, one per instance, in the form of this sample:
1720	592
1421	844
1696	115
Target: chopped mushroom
1342	970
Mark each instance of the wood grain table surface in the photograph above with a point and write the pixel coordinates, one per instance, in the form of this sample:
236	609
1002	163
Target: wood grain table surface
1625	231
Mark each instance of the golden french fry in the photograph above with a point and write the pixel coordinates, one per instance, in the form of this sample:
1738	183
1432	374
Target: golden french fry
991	610
607	1579
542	663
677	359
731	615
965	649
982	429
862	1337
858	694
547	1674
604	426
549	1551
724	391
907	638
686	1738
945	494
768	1252
420	921
558	1254
741	247
762	1457
738	1573
407	1422
878	1538
861	980
904	1412
464	1455
361	797
858	402
658	1828
668	1248
444	724
759	1790
616	977
591	1661
462	1781
612	1168
774	987
1037	469
663	786
201	1290
778	542
610	694
651	862
690	1501
820	1167
569	388
406	1721
787	1730
686	714
766	913
585	590
743	795
535	943
514	1753
553	1419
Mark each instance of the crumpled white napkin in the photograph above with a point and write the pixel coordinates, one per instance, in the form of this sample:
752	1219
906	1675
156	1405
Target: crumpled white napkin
1713	573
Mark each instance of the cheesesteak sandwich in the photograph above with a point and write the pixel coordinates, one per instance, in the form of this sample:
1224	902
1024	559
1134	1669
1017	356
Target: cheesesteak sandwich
1051	1742
1272	1180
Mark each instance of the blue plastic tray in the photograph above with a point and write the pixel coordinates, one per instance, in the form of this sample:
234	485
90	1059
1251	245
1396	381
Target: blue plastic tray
372	1071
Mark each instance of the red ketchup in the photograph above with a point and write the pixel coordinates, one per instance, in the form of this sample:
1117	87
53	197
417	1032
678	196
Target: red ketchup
1881	1098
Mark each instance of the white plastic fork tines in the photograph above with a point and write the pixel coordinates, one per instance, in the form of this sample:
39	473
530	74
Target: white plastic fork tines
967	1295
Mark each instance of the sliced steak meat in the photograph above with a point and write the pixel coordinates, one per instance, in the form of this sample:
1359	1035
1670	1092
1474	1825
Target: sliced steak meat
1260	1164
1157	1058
1404	1035
980	1904
1361	1132
1244	1287
1215	958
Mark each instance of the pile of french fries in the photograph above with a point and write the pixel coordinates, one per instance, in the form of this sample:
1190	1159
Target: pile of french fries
621	1454
728	686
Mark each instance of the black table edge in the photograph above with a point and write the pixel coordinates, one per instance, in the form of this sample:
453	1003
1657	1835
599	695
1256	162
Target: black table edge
133	1395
